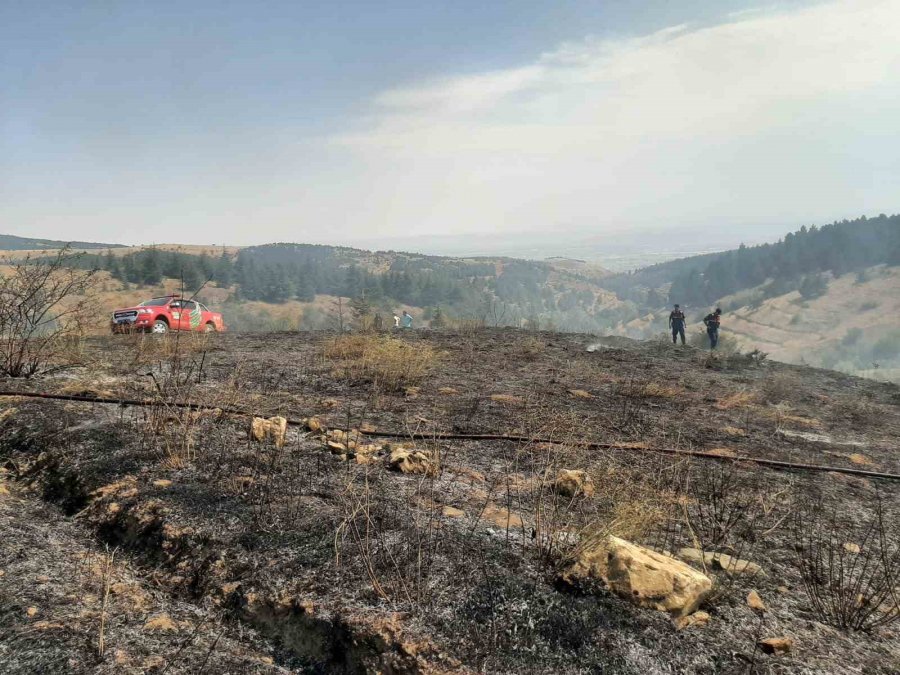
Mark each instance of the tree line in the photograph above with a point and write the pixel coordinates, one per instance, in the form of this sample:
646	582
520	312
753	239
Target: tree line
794	263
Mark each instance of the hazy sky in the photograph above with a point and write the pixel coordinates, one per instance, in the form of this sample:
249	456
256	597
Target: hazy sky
248	122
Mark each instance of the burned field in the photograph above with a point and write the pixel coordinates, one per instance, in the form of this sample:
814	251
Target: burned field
387	529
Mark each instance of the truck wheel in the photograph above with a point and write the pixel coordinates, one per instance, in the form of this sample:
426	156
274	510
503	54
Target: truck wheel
160	327
209	328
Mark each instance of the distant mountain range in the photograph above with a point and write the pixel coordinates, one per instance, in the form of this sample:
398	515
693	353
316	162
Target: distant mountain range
9	242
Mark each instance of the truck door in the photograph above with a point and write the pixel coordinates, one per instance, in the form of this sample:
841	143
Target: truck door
190	316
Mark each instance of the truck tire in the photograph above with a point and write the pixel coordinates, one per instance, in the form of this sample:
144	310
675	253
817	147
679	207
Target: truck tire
160	327
209	328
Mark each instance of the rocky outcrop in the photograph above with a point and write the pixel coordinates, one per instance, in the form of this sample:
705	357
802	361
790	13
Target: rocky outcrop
645	577
408	460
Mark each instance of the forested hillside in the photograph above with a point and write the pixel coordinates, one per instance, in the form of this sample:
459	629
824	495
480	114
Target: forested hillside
497	291
10	242
795	263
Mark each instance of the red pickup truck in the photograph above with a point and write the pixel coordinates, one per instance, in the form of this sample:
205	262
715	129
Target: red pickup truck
160	315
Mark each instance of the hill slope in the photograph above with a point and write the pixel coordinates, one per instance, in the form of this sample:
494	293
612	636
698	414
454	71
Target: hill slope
420	553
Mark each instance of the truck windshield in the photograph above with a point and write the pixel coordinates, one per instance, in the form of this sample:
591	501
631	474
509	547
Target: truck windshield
155	302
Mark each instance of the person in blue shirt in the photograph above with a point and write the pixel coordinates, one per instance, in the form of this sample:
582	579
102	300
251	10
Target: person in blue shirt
406	321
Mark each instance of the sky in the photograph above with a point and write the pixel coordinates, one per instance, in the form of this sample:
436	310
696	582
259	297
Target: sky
361	122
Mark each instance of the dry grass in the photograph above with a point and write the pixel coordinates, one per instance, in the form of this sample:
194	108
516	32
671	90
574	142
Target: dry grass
632	510
388	363
856	409
651	390
780	387
507	399
784	415
740	399
531	348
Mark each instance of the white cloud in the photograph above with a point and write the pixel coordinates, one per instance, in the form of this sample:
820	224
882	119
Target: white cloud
765	116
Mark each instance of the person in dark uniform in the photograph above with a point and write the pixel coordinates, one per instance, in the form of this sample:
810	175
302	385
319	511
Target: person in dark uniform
712	322
676	324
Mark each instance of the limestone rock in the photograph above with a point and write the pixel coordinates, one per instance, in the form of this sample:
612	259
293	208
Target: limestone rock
720	561
161	623
314	424
645	577
852	547
336	447
651	579
273	429
776	645
412	461
502	517
697	619
572	482
452	512
755	602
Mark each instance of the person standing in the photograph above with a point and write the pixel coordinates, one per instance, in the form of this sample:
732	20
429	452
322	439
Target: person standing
712	322
407	319
396	321
676	324
377	322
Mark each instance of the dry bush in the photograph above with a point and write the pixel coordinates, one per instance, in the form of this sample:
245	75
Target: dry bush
851	574
629	503
43	313
530	348
388	363
779	388
725	507
856	409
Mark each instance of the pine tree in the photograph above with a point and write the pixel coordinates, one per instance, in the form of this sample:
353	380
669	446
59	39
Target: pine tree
361	311
223	274
151	270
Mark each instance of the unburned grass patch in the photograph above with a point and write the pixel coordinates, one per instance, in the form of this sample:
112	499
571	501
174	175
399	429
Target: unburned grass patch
639	390
388	363
739	399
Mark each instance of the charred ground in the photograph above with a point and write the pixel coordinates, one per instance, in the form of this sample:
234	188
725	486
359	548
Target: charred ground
198	549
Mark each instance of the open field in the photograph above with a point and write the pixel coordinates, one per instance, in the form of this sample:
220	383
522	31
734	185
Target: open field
157	538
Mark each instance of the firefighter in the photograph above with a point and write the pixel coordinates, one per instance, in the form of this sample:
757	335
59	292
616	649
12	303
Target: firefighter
676	324
396	321
407	319
712	322
377	322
